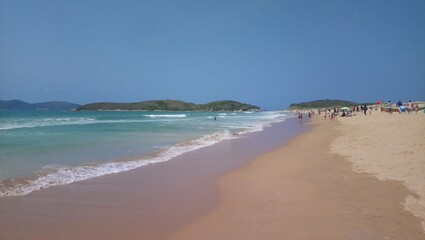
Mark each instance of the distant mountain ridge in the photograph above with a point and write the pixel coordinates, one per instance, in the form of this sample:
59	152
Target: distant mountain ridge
21	105
152	105
170	105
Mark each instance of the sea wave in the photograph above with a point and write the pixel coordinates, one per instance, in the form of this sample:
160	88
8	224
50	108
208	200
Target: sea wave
61	175
49	122
45	122
166	115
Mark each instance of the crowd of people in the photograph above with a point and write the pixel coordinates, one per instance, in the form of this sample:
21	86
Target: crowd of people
344	112
366	110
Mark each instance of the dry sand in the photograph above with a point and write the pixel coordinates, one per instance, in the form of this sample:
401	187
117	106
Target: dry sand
304	191
389	146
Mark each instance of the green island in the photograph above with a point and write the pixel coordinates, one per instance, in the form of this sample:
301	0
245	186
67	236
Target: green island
169	105
324	103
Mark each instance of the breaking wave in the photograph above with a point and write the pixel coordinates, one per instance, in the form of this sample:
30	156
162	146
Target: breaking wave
166	115
60	175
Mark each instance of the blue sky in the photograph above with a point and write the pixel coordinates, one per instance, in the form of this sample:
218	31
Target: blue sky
267	53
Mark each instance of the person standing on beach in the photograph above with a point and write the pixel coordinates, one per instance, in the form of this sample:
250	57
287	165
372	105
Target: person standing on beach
409	107
399	106
365	109
389	107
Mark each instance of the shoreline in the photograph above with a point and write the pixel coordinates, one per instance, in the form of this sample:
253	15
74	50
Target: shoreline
152	201
67	172
266	185
292	193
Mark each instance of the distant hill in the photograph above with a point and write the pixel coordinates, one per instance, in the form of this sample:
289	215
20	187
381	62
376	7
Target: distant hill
56	106
326	103
170	105
16	105
153	105
21	105
227	106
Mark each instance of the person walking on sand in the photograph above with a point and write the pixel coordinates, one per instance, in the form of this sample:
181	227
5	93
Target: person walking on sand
389	107
300	117
365	109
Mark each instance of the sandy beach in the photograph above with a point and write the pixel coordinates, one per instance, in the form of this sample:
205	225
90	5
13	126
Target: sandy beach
269	185
212	120
308	189
390	147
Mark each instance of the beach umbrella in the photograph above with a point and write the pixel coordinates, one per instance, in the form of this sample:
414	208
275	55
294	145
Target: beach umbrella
379	102
345	108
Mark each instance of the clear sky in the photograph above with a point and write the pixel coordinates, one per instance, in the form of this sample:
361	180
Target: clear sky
267	53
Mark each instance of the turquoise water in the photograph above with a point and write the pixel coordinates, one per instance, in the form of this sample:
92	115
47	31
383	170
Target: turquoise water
39	149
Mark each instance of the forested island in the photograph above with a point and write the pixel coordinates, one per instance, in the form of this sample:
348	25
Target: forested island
169	105
324	103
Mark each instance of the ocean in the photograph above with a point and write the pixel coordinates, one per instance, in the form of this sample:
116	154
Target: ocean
39	149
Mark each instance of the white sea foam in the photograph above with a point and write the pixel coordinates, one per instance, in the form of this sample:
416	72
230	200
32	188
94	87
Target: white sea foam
48	122
61	175
166	115
44	122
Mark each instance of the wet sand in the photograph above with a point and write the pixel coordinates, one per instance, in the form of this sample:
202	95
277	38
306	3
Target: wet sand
304	191
151	202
